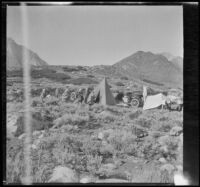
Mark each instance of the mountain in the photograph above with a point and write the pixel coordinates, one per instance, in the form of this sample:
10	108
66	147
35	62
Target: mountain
176	60
15	56
169	56
152	68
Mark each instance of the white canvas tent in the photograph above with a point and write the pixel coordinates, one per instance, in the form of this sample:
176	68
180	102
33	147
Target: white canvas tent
154	101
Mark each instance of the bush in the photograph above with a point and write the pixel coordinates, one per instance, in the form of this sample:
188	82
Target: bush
119	84
106	117
68	69
80	81
74	119
122	142
91	76
52	101
49	74
37	123
144	122
134	115
14	73
124	78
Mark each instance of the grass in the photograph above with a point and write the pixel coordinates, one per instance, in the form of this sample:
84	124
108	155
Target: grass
78	146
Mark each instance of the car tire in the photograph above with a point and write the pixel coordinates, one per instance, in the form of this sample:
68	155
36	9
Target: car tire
135	102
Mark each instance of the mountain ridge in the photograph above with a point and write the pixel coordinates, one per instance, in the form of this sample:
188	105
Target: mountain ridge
15	56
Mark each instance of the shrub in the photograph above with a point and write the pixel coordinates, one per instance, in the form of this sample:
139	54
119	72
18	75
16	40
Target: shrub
106	117
93	163
144	122
124	78
134	115
91	76
14	73
97	108
162	126
49	74
80	81
119	84
75	119
37	123
68	69
52	101
122	141
36	102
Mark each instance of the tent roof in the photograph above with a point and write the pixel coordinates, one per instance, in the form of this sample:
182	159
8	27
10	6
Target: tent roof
103	91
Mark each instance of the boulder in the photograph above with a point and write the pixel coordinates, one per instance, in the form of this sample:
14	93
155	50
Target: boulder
63	175
33	146
100	136
176	131
162	160
105	134
87	179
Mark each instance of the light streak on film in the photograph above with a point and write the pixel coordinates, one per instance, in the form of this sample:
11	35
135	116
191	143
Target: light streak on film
26	80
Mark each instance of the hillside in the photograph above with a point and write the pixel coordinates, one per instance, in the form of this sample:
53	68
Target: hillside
176	60
15	56
150	67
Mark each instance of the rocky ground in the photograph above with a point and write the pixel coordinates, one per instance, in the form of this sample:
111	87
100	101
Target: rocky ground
92	144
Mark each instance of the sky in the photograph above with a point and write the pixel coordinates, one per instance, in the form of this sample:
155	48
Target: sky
97	35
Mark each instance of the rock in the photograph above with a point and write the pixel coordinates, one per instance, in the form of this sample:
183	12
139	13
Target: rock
33	146
87	179
41	136
162	160
105	134
168	167
164	149
22	136
63	175
100	136
36	133
176	131
112	180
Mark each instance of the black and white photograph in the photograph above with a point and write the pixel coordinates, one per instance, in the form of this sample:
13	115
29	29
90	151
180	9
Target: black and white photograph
94	94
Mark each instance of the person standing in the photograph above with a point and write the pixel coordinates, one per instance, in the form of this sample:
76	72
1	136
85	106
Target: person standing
65	95
42	95
56	92
144	93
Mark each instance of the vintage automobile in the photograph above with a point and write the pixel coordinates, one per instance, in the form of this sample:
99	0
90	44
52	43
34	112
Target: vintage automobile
174	103
135	98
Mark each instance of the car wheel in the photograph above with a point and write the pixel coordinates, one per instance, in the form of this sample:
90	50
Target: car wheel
135	103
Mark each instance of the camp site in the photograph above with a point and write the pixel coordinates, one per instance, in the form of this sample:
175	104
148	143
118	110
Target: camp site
74	118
